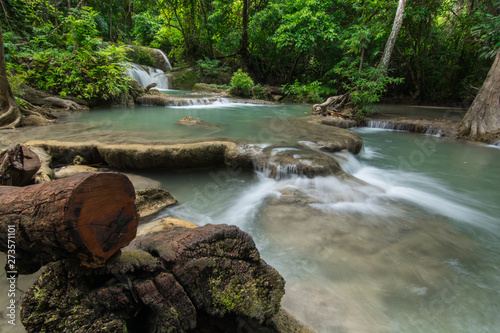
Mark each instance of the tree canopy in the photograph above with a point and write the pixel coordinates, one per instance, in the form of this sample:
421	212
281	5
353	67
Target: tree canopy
442	55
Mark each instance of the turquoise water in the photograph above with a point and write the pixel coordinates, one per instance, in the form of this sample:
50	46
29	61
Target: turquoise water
231	120
414	247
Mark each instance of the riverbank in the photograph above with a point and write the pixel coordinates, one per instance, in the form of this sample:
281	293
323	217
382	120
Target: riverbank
431	120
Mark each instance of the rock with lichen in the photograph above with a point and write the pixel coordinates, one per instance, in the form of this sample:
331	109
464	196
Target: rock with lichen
161	282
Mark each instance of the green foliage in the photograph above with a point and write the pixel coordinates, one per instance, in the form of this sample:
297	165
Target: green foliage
313	92
488	32
141	55
211	67
82	29
146	26
443	49
84	74
365	87
16	78
10	48
258	92
241	84
304	25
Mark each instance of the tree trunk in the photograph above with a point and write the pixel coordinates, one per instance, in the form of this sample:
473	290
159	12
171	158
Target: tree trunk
10	115
244	33
87	217
18	165
483	117
391	41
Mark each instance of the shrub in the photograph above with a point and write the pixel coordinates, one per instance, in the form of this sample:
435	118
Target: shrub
241	84
83	74
211	67
311	92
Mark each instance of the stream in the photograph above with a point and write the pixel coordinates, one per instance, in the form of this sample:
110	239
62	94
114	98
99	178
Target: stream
413	245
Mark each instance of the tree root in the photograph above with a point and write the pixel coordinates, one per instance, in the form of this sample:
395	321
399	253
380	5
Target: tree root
333	106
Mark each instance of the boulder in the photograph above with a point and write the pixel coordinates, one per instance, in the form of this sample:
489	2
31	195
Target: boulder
161	282
282	162
163	224
153	200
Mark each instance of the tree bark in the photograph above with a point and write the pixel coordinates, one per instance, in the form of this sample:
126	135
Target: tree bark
391	41
87	217
10	114
18	165
483	117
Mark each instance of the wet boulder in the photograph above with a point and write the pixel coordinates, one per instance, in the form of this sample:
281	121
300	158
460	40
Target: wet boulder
282	162
152	200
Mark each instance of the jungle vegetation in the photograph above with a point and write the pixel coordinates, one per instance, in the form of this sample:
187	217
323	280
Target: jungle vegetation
313	48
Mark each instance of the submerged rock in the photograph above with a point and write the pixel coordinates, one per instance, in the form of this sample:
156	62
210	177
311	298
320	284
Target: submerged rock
282	162
162	282
198	123
312	134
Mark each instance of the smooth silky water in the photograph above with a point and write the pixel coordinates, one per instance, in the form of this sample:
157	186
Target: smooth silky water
412	247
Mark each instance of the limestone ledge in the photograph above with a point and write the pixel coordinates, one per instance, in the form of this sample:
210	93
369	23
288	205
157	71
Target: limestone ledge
140	156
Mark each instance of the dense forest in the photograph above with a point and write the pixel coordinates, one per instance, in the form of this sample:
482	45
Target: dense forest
313	48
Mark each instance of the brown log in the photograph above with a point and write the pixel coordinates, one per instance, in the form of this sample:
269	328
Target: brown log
87	217
149	87
18	165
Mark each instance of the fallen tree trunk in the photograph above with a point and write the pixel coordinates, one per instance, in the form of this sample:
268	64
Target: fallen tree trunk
18	165
87	217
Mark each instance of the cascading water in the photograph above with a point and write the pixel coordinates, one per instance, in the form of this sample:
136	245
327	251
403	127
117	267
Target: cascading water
391	250
146	75
165	59
410	242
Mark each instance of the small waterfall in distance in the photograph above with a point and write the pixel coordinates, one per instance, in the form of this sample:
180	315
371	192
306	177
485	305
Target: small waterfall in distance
167	63
146	75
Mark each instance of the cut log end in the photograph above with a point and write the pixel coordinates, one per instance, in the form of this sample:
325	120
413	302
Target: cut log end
101	217
87	217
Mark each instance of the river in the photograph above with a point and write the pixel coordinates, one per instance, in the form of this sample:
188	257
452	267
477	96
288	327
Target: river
412	247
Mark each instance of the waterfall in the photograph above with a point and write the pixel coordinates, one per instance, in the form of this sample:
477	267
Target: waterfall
168	65
146	75
407	126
